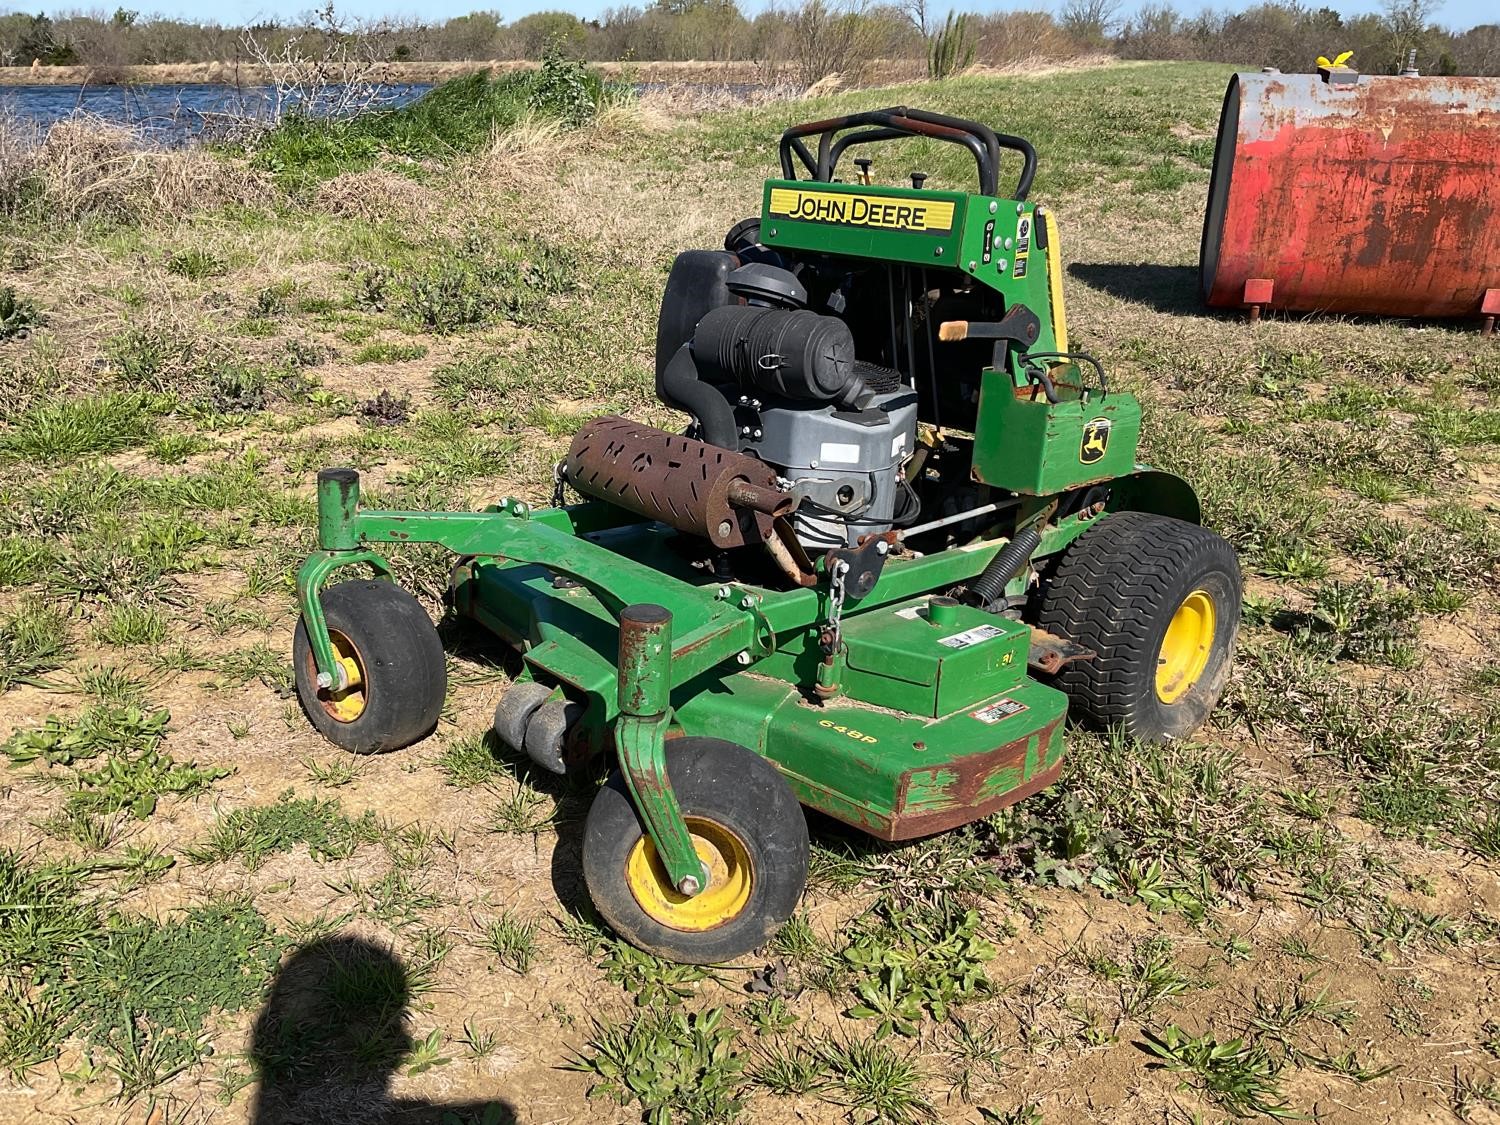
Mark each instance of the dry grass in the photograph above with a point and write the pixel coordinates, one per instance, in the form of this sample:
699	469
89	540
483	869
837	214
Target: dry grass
85	167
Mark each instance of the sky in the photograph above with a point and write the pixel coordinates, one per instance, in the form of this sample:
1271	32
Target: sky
1456	14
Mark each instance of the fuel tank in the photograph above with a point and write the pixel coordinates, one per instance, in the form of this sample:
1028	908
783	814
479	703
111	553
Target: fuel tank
1345	193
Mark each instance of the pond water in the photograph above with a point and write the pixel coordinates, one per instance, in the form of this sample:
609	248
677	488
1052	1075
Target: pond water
165	113
176	114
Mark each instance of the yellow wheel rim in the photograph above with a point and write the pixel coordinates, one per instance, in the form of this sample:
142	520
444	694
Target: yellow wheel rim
730	880
1186	647
347	704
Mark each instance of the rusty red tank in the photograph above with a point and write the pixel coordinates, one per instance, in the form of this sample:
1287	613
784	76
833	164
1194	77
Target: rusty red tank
1346	193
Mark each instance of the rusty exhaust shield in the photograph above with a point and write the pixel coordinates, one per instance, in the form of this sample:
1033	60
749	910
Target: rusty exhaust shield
725	497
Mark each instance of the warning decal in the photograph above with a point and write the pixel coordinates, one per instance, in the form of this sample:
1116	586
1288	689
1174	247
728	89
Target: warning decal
1003	709
971	636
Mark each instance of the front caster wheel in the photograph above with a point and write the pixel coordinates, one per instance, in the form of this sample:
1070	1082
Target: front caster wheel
747	828
392	661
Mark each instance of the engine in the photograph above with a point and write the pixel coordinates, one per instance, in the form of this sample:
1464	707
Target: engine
763	375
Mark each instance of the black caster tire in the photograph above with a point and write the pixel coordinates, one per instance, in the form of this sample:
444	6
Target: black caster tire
546	731
515	709
386	640
1159	601
748	827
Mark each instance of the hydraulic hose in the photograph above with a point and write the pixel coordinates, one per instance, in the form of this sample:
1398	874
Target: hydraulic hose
678	385
989	587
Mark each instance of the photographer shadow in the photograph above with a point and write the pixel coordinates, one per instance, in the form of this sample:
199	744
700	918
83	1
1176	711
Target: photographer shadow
331	1037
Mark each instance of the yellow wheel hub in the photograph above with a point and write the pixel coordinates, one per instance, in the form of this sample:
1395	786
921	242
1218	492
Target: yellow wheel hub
1185	648
730	880
347	703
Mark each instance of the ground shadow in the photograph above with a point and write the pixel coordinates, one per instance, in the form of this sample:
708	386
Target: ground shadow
331	1037
1168	289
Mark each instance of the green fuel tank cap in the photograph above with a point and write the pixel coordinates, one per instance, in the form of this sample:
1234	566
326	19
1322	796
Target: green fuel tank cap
942	610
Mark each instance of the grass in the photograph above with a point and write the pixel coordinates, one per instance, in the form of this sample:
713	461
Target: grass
254	835
137	991
437	296
513	941
390	353
65	430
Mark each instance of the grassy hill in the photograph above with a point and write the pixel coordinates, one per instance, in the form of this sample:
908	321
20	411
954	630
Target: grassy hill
1295	913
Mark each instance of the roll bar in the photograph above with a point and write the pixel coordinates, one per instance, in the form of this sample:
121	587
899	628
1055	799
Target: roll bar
899	121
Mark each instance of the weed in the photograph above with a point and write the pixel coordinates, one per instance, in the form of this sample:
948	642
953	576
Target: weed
482	379
334	773
769	1015
1469	1092
137	782
1024	1113
390	353
976	1055
1277	1012
1145	978
790	1068
257	662
18	316
470	759
512	940
522	810
256	834
1237	1075
385	409
33	641
137	990
650	980
24	560
797	940
130	623
873	1079
668	1063
477	1042
174	449
1311	803
145	357
125	730
908	964
426	1053
30	1031
195	263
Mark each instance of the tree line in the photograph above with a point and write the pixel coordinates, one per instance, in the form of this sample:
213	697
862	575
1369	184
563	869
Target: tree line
800	42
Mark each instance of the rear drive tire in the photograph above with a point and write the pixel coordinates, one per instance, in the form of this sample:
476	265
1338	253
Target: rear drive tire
747	826
1159	601
394	660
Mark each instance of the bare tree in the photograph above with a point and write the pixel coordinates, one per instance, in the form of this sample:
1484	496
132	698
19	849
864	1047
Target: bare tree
916	11
1410	23
1089	21
334	69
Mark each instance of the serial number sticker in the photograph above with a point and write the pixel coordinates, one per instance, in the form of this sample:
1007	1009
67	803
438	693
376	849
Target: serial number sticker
848	732
1004	709
927	216
972	636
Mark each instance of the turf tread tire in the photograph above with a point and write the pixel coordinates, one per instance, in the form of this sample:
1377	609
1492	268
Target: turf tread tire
405	671
1114	591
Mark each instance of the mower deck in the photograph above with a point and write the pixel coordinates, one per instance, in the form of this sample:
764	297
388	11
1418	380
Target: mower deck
937	722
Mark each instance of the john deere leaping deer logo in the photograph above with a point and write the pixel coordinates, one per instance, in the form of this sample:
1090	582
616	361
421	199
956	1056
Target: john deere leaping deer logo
1095	440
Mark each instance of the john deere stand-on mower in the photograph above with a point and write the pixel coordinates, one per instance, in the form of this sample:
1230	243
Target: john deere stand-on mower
903	535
